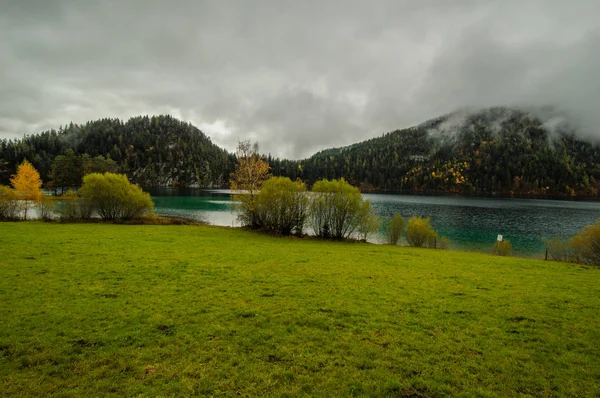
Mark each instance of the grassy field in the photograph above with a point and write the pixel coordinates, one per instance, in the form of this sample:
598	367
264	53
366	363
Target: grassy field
112	310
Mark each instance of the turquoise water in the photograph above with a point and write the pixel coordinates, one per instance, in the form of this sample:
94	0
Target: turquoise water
212	206
470	223
475	223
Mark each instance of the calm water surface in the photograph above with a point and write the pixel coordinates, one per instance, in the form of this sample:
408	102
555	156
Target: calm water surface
470	223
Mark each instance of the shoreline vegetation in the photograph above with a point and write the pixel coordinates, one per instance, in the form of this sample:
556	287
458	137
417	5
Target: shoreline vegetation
333	210
127	310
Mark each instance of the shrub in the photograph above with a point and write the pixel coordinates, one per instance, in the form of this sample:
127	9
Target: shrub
559	250
369	222
583	248
73	208
394	228
432	241
502	248
9	206
586	245
281	206
114	197
444	243
46	208
85	208
419	232
67	209
251	171
335	208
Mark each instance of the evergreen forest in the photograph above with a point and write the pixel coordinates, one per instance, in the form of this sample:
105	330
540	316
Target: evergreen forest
493	151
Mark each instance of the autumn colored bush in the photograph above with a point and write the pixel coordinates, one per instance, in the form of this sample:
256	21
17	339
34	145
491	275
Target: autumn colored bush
502	248
247	179
559	249
419	232
583	248
586	245
443	243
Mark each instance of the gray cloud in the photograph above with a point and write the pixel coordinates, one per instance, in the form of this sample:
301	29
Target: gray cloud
297	76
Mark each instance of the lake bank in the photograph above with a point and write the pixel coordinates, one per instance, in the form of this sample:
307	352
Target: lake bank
470	223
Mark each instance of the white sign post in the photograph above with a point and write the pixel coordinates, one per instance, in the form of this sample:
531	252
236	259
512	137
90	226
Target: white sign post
499	238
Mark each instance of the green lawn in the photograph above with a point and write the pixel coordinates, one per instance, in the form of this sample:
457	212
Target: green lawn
100	310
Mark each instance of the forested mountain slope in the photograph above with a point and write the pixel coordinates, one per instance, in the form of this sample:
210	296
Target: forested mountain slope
485	152
158	150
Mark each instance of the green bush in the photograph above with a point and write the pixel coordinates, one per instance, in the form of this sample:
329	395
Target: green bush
419	232
114	198
281	206
336	209
502	248
394	228
9	205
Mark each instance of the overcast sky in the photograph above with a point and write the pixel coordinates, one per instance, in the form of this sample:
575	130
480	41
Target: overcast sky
298	76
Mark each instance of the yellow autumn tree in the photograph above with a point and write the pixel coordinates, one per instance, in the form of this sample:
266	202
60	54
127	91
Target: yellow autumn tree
28	185
250	172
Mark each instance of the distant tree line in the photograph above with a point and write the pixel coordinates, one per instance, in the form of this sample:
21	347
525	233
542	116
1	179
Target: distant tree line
498	151
69	169
151	151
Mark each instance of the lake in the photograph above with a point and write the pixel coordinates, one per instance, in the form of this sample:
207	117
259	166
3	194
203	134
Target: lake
470	223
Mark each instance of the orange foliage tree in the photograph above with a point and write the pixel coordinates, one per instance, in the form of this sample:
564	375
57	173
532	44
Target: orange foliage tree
28	185
250	172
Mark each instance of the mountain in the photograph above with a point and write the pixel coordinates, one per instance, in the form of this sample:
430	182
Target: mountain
152	151
493	151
